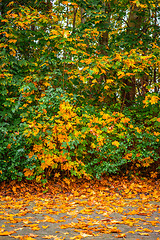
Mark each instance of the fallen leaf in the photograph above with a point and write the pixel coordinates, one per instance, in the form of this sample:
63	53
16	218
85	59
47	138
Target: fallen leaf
49	237
122	235
144	234
36	228
6	233
29	238
76	237
85	235
147	230
45	227
106	220
33	235
72	213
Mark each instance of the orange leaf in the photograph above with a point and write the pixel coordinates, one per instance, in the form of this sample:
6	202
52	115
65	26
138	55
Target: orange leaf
35	228
6	233
29	238
9	146
51	236
14	189
122	235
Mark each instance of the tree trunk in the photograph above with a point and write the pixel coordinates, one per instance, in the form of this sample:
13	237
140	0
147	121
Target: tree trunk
74	18
133	26
82	17
103	41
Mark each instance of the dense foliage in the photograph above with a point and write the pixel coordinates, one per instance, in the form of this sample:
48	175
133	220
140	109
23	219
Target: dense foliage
79	88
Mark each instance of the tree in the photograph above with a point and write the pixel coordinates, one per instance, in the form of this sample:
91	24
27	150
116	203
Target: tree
72	76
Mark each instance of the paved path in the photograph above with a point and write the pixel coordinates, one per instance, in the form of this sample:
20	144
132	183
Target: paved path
90	214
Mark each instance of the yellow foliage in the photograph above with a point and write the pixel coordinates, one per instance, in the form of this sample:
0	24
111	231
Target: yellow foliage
154	99
138	130
125	120
115	143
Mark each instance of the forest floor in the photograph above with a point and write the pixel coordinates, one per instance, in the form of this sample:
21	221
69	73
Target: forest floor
107	209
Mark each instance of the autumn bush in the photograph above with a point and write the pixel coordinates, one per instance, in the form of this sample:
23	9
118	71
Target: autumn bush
60	138
68	140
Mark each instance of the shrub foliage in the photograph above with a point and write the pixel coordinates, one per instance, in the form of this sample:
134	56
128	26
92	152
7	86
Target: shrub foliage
73	104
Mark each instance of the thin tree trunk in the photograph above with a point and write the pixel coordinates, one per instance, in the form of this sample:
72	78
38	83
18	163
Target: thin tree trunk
82	17
103	41
133	25
74	18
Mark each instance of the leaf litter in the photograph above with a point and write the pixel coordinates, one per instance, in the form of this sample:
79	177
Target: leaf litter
109	208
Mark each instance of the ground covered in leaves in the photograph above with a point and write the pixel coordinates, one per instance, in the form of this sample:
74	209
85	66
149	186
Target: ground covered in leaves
106	209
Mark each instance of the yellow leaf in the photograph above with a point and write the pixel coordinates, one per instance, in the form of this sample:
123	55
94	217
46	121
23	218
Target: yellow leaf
95	70
36	228
106	87
115	143
76	237
154	99
45	227
109	81
29	238
11	3
94	81
6	233
147	230
144	234
120	74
